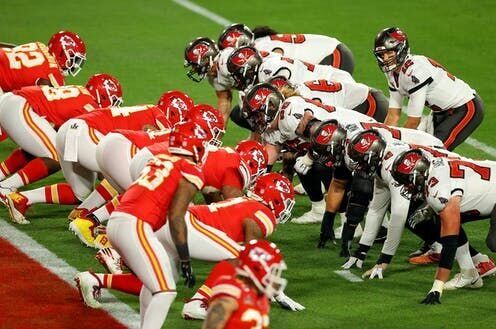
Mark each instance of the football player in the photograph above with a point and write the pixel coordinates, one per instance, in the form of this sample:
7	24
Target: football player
456	189
242	300
457	109
32	116
311	48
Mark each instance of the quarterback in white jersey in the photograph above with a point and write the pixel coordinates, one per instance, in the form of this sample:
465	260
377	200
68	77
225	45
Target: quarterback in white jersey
457	109
311	48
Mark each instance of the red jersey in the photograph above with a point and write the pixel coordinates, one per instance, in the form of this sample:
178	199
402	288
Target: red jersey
58	104
159	148
228	216
150	196
253	307
128	117
142	138
24	65
223	167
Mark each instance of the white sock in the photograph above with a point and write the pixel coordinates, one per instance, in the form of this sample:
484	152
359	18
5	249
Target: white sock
144	299
480	258
35	196
102	214
318	206
157	310
463	257
14	181
92	201
437	247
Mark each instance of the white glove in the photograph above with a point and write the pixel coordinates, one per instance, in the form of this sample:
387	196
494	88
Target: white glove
375	271
352	261
303	164
287	303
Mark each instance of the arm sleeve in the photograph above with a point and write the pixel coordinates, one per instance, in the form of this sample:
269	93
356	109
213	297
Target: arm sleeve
395	99
375	215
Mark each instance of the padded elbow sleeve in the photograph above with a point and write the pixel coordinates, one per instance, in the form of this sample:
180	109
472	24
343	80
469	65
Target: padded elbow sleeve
450	244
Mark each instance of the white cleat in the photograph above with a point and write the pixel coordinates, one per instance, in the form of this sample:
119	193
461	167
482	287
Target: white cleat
465	279
300	190
313	216
110	259
89	287
4	191
195	309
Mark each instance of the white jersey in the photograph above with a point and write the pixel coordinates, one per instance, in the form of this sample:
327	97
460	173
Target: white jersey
310	48
424	81
222	80
474	181
344	94
293	109
297	72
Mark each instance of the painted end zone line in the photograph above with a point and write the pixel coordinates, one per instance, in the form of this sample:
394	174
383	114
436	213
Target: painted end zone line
118	310
347	275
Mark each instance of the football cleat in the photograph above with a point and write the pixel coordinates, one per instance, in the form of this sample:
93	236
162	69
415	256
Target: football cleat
195	309
110	260
421	250
300	190
4	191
78	213
429	257
83	229
486	268
89	287
17	204
465	279
101	241
315	214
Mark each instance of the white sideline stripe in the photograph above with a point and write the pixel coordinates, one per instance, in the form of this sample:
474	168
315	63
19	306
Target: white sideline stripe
347	275
202	11
117	309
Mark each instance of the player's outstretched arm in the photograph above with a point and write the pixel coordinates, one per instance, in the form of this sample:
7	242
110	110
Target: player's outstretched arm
219	311
252	230
224	101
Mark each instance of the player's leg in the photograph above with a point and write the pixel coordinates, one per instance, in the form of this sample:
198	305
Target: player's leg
375	106
143	253
341	58
15	161
312	183
453	127
139	161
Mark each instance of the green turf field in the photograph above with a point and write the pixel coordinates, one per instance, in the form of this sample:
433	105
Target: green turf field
142	43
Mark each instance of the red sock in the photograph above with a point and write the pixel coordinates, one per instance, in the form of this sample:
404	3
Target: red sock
15	161
221	268
60	194
128	283
35	170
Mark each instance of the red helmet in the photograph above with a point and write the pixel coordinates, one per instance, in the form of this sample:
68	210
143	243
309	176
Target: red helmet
210	120
243	64
261	105
175	104
254	157
69	51
411	169
200	54
235	35
276	192
263	263
105	89
189	138
366	150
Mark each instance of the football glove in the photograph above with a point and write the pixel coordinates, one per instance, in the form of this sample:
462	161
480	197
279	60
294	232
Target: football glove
303	164
420	215
287	303
434	295
376	271
355	260
326	230
187	273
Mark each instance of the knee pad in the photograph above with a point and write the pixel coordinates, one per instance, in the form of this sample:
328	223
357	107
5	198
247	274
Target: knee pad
362	191
450	244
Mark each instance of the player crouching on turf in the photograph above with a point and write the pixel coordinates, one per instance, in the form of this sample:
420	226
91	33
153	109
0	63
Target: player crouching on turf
241	300
458	190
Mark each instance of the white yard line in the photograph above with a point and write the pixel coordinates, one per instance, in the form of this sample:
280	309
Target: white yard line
347	275
202	11
117	309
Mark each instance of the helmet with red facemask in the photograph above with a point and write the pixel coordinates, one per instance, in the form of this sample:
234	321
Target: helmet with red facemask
391	39
411	169
243	64
106	89
190	139
366	150
199	55
210	120
327	143
262	262
175	104
276	192
236	35
254	157
69	51
261	105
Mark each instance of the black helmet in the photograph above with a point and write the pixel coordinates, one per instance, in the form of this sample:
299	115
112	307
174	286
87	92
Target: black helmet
410	169
327	142
199	55
235	35
261	105
243	66
391	39
366	150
